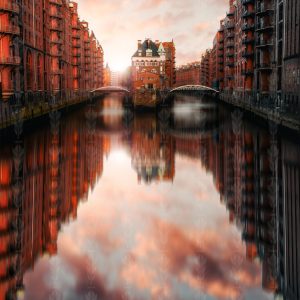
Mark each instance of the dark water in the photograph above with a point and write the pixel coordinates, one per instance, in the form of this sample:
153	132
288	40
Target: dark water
197	204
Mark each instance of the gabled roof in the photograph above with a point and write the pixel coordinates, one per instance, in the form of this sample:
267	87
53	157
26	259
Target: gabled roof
147	44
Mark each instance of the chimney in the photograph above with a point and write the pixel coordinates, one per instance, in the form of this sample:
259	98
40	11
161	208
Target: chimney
139	44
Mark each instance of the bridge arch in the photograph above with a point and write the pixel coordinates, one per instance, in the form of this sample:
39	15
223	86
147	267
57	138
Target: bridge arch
194	88
111	89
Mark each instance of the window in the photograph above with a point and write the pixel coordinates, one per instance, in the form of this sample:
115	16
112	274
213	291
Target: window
29	71
149	52
40	72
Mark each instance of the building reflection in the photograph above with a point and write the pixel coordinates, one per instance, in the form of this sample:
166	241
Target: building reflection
57	168
44	176
152	152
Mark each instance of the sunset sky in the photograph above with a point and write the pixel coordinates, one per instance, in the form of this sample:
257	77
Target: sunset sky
118	24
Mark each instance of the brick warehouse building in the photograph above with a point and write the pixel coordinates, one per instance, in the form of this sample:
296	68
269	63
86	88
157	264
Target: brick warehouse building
188	74
256	54
153	65
47	54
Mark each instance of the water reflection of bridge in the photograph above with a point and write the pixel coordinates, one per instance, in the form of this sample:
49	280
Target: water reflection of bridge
45	174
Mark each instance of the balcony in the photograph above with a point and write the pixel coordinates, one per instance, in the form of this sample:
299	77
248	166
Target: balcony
76	55
247	73
230	45
9	29
264	43
247	53
261	27
229	25
246	2
248	14
57	72
264	67
11	7
56	41
230	54
56	14
248	27
229	64
230	14
76	26
76	44
264	10
56	2
76	35
10	61
56	52
56	26
230	36
247	41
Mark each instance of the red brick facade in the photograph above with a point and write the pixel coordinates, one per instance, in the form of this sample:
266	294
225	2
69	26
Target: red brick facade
188	74
153	65
256	53
47	53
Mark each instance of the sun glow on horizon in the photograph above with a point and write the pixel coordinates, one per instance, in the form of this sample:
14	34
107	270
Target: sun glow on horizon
119	65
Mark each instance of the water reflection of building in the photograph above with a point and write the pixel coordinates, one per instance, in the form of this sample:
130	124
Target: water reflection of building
256	173
245	181
289	224
58	168
258	180
153	153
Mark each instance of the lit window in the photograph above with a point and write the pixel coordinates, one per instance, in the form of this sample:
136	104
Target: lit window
149	52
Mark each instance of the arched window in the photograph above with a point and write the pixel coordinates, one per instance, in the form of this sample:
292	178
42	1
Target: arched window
29	71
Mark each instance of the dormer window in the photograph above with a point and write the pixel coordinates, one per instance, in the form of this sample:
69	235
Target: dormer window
140	52
149	52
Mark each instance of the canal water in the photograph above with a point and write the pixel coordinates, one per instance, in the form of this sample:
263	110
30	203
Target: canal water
196	203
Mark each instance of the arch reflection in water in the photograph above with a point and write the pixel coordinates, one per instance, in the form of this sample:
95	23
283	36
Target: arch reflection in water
168	238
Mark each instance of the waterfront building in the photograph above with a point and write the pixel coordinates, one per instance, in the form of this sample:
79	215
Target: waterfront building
261	59
153	65
288	52
115	78
47	55
188	74
229	47
107	76
245	25
218	76
206	68
170	68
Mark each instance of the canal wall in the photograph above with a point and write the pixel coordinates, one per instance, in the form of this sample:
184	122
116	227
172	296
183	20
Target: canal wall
10	113
268	108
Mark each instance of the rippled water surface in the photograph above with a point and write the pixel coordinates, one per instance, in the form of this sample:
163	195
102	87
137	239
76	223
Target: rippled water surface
196	203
